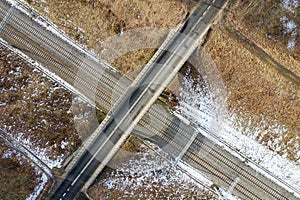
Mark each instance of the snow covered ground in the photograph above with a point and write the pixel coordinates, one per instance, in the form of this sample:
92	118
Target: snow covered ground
41	178
51	121
198	104
148	176
290	27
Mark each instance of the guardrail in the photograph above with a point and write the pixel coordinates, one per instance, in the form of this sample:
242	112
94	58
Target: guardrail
162	47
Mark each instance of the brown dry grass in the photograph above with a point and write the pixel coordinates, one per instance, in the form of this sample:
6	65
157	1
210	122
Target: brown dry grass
133	62
91	25
259	19
105	20
38	108
17	176
260	85
256	90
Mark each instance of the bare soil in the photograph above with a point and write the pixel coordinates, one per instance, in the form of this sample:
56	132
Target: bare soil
17	175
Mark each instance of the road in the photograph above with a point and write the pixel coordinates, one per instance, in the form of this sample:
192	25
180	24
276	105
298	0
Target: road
64	59
137	100
93	78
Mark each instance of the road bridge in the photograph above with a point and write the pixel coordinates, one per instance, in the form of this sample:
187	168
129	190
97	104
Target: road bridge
136	101
64	59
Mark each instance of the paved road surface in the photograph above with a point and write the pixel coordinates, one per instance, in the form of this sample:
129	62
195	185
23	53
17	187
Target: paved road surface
138	99
63	59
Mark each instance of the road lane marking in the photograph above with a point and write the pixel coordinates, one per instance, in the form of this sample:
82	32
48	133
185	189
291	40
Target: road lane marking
137	101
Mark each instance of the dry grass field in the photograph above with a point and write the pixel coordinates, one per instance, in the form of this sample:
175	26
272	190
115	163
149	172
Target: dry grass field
257	91
260	74
92	22
272	26
17	175
37	111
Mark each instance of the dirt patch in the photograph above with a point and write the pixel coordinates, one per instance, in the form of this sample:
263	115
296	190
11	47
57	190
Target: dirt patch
37	111
17	175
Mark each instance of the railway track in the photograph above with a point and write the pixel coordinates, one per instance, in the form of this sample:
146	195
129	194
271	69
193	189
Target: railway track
74	57
60	68
102	93
71	73
193	158
74	66
102	97
239	170
198	146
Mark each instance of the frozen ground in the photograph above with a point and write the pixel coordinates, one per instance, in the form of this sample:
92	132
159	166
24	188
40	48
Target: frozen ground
24	177
39	113
147	176
198	105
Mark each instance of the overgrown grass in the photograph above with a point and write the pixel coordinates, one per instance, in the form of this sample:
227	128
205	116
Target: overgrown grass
90	25
38	110
17	176
262	21
257	92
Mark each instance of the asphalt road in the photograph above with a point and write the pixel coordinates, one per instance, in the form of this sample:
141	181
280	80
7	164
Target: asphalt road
133	104
59	56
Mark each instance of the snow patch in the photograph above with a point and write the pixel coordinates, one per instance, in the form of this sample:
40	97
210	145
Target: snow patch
290	5
182	118
223	194
63	144
199	108
41	154
150	173
238	138
39	188
289	25
8	153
